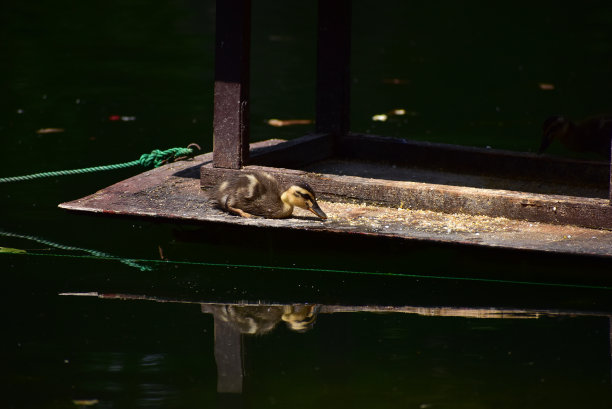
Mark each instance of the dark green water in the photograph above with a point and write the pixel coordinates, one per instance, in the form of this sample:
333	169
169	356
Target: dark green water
467	74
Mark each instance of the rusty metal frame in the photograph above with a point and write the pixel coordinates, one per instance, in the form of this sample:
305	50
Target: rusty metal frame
232	64
333	138
375	169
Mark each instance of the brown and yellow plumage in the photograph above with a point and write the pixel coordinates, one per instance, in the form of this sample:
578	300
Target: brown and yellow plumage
260	194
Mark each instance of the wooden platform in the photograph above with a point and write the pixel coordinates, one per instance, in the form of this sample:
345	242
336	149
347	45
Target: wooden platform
363	205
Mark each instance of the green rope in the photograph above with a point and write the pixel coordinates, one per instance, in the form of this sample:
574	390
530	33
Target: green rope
141	265
156	158
93	253
322	270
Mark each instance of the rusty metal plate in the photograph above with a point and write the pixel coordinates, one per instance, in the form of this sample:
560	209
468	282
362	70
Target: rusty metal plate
174	192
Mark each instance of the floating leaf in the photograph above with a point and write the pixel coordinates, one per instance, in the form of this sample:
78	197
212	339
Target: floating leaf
288	122
50	130
11	250
546	86
86	402
124	118
380	118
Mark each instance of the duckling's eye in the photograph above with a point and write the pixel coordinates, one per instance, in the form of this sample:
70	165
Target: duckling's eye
305	197
296	194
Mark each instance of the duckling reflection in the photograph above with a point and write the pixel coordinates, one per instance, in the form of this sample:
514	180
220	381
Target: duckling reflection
261	319
590	135
260	194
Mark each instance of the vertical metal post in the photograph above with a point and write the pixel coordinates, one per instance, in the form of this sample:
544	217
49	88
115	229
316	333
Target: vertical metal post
610	187
333	67
232	63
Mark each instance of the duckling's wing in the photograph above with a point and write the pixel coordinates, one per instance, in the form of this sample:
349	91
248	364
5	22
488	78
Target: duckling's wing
222	191
233	191
267	198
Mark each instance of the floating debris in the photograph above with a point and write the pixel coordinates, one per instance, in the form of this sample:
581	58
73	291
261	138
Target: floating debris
85	402
43	131
289	122
396	81
11	250
394	112
544	86
123	118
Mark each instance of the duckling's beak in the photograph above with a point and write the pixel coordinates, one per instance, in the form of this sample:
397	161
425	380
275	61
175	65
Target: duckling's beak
317	210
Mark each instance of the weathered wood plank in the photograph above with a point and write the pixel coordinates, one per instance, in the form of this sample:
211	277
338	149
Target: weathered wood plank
231	93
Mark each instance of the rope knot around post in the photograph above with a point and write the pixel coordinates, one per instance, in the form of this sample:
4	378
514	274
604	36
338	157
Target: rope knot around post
158	157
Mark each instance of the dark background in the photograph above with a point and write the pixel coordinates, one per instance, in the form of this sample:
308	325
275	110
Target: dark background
475	73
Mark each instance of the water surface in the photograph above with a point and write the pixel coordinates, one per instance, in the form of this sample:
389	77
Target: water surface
102	83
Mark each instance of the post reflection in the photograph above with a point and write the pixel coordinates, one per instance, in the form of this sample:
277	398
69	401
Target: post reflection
233	321
428	348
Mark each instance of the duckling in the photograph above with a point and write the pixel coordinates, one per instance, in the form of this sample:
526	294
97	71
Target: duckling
261	319
259	194
300	318
591	135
